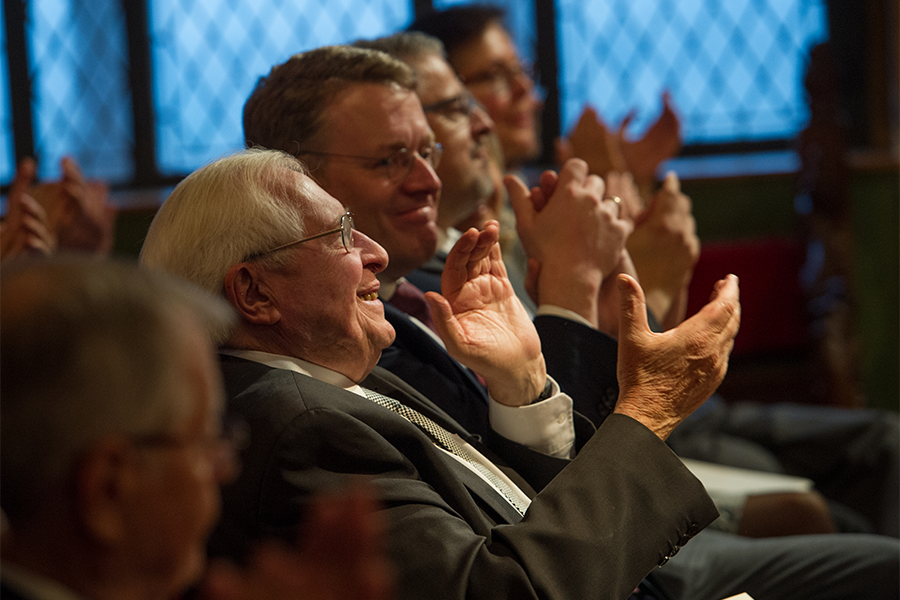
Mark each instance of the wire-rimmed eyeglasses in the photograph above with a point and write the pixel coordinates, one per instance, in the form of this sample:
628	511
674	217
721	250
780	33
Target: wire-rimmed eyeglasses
397	164
345	229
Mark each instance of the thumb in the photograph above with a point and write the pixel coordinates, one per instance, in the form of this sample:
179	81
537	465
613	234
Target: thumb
633	313
520	200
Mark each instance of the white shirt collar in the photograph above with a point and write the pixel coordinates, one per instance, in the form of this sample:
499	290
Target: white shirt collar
289	363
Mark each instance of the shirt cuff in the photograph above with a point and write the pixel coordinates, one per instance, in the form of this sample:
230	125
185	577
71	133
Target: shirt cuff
557	311
546	427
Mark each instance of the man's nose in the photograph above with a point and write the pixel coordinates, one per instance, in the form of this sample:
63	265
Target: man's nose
481	122
422	177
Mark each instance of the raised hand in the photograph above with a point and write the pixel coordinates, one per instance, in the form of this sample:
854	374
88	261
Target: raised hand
664	377
576	237
661	142
483	324
79	212
25	230
341	557
591	141
664	247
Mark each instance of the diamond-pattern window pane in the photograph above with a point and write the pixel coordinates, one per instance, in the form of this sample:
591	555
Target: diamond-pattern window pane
208	54
81	101
734	69
7	156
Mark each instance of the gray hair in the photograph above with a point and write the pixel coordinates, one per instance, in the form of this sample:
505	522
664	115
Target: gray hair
223	213
87	352
407	46
285	110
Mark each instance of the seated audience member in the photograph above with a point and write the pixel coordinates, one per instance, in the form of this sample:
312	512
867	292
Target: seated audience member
300	368
853	456
482	53
346	100
112	449
467	180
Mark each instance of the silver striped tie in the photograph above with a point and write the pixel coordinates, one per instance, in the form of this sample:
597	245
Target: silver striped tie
445	439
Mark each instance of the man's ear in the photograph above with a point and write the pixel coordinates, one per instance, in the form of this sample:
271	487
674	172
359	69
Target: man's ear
103	487
246	290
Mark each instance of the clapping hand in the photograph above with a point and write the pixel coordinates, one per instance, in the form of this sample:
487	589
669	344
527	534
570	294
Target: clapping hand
341	557
574	236
483	324
664	377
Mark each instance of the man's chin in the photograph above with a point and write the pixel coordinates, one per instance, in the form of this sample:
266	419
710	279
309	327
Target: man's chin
381	335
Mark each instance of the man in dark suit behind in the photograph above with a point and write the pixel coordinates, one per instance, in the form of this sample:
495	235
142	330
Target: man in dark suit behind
300	368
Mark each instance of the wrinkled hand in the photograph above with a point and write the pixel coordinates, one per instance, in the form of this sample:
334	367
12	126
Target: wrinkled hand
25	230
664	377
341	558
575	237
79	212
483	324
664	247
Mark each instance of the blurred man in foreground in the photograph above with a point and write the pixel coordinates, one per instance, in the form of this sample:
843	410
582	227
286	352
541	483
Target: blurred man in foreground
112	448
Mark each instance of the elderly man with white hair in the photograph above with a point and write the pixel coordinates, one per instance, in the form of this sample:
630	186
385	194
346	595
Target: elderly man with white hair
300	368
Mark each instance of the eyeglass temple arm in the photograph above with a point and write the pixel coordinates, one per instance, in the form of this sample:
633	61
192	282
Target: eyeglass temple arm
312	237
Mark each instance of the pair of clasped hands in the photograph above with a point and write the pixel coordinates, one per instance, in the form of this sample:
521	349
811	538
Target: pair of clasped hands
575	233
71	214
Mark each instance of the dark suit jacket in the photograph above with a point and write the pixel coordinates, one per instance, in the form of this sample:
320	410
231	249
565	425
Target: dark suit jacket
612	514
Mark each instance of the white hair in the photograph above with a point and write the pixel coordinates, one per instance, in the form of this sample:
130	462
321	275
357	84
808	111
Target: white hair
222	214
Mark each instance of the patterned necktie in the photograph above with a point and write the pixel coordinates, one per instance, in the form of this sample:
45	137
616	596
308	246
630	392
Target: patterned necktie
445	440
